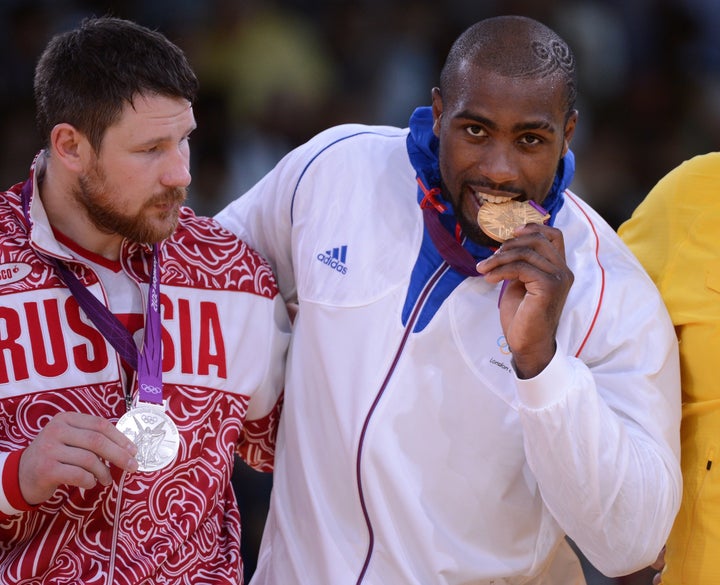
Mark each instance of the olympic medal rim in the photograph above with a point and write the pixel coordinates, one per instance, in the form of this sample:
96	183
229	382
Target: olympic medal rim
153	417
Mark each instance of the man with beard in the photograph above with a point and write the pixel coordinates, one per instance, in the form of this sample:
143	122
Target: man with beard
124	388
464	388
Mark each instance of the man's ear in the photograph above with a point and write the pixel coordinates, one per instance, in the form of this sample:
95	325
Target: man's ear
569	131
437	108
70	147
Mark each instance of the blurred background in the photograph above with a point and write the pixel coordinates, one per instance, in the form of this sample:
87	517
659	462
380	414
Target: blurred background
273	73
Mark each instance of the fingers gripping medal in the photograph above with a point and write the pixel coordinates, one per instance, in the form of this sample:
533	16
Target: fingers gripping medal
147	424
499	220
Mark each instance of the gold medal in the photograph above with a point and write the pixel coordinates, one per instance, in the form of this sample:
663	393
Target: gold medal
154	434
499	220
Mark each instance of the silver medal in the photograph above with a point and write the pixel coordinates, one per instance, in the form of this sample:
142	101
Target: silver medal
154	434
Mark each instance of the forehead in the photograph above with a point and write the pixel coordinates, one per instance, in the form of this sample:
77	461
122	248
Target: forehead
491	95
154	115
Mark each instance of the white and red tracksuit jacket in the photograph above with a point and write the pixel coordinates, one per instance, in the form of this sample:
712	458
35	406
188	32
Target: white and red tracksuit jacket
224	335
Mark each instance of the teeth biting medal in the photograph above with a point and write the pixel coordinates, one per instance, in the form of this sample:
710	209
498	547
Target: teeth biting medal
499	220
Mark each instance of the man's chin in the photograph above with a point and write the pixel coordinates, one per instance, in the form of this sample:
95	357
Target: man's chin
166	233
484	240
154	232
475	234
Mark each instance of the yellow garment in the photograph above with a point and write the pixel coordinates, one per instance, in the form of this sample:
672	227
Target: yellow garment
675	233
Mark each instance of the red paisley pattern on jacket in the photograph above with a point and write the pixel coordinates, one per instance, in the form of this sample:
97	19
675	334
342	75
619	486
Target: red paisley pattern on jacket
177	525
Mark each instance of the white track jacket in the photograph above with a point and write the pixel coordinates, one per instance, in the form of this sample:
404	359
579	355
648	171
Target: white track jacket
409	452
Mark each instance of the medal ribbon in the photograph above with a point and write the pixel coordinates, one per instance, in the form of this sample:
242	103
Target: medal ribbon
448	247
146	362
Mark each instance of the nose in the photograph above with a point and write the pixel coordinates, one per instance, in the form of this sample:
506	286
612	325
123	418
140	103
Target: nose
176	172
498	163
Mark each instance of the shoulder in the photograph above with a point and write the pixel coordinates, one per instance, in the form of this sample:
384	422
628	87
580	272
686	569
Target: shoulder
609	280
591	243
10	209
346	157
339	139
349	131
684	202
351	151
581	223
707	164
203	253
692	185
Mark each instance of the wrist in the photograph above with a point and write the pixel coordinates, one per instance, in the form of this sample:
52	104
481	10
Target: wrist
529	364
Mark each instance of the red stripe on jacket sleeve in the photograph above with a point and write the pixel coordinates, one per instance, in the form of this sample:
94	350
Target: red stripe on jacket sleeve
602	276
11	482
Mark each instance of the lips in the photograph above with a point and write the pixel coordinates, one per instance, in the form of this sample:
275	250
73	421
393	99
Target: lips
169	199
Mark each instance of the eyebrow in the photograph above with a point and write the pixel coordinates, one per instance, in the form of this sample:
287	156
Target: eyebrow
165	138
522	127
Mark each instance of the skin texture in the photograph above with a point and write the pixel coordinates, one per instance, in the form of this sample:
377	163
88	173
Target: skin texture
504	136
133	187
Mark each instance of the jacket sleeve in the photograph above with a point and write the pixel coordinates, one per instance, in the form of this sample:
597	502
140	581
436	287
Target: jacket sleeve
268	352
601	429
11	499
263	216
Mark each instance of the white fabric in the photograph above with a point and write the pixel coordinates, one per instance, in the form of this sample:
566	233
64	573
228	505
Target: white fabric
467	474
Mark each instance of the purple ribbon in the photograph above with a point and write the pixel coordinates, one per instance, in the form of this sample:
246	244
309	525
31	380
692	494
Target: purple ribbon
448	247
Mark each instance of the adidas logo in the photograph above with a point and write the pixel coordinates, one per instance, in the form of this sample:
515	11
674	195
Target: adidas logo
335	259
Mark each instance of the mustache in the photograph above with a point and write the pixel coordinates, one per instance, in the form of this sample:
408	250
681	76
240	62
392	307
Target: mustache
170	196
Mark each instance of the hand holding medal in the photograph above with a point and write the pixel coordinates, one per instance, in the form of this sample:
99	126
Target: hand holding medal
535	279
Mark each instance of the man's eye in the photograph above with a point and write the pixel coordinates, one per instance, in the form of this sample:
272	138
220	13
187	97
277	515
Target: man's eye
475	131
530	139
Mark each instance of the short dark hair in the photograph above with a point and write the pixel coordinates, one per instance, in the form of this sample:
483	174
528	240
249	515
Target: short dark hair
85	76
513	46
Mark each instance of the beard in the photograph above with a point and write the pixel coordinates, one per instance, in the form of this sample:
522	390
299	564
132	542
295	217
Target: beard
148	226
